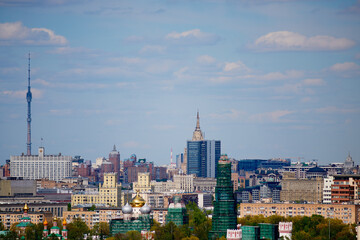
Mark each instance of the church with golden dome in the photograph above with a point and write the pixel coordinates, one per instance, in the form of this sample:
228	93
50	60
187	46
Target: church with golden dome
136	217
55	230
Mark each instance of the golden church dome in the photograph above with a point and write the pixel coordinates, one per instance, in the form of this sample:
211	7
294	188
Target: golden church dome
64	222
137	201
45	222
26	208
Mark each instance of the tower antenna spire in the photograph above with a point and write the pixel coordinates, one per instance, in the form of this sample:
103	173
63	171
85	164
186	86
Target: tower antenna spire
28	99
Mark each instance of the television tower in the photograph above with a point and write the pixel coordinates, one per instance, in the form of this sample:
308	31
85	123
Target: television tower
28	99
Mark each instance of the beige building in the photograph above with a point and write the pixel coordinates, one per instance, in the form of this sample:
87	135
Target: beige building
17	187
109	193
183	166
204	184
184	183
8	218
346	213
159	215
92	217
310	190
45	183
143	183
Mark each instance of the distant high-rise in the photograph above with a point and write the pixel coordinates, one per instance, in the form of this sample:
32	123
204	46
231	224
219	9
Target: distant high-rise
28	99
197	135
349	163
202	155
114	158
224	216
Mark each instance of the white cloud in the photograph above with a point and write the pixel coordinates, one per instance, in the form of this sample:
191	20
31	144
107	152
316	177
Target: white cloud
336	110
153	49
134	39
10	70
13	33
41	82
131	144
313	82
69	50
61	112
346	66
285	40
164	127
302	87
272	76
235	66
206	59
36	93
221	79
231	114
266	117
275	116
194	36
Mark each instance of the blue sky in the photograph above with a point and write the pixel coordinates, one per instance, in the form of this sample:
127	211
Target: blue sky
270	78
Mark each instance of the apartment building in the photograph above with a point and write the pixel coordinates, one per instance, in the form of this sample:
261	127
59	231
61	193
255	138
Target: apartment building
346	213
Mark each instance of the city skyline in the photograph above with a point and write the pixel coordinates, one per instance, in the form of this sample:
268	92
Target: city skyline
270	78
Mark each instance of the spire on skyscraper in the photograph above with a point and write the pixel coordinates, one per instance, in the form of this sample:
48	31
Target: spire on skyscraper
197	135
28	99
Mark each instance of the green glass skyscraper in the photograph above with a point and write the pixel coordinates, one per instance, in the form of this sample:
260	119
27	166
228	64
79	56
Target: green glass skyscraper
224	216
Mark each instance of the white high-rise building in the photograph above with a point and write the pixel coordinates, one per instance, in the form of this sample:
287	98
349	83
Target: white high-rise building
52	167
328	181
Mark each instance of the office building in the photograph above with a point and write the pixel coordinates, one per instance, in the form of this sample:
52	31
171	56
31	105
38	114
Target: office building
203	157
224	216
33	167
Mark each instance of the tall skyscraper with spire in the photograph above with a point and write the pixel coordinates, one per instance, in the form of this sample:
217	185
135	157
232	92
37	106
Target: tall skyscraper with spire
197	135
202	155
114	158
28	99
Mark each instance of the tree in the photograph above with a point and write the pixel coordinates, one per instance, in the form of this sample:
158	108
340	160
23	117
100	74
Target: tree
190	238
2	226
101	229
69	207
77	229
133	235
10	235
92	208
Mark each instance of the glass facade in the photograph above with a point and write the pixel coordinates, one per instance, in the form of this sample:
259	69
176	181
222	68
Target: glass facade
224	216
202	157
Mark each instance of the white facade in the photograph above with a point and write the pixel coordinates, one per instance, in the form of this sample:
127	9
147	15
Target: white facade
52	167
210	158
184	183
285	230
327	189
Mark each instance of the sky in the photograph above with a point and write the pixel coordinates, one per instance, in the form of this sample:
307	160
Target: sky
270	78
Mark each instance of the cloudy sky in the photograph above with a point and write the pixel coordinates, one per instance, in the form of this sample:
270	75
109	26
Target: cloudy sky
271	78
